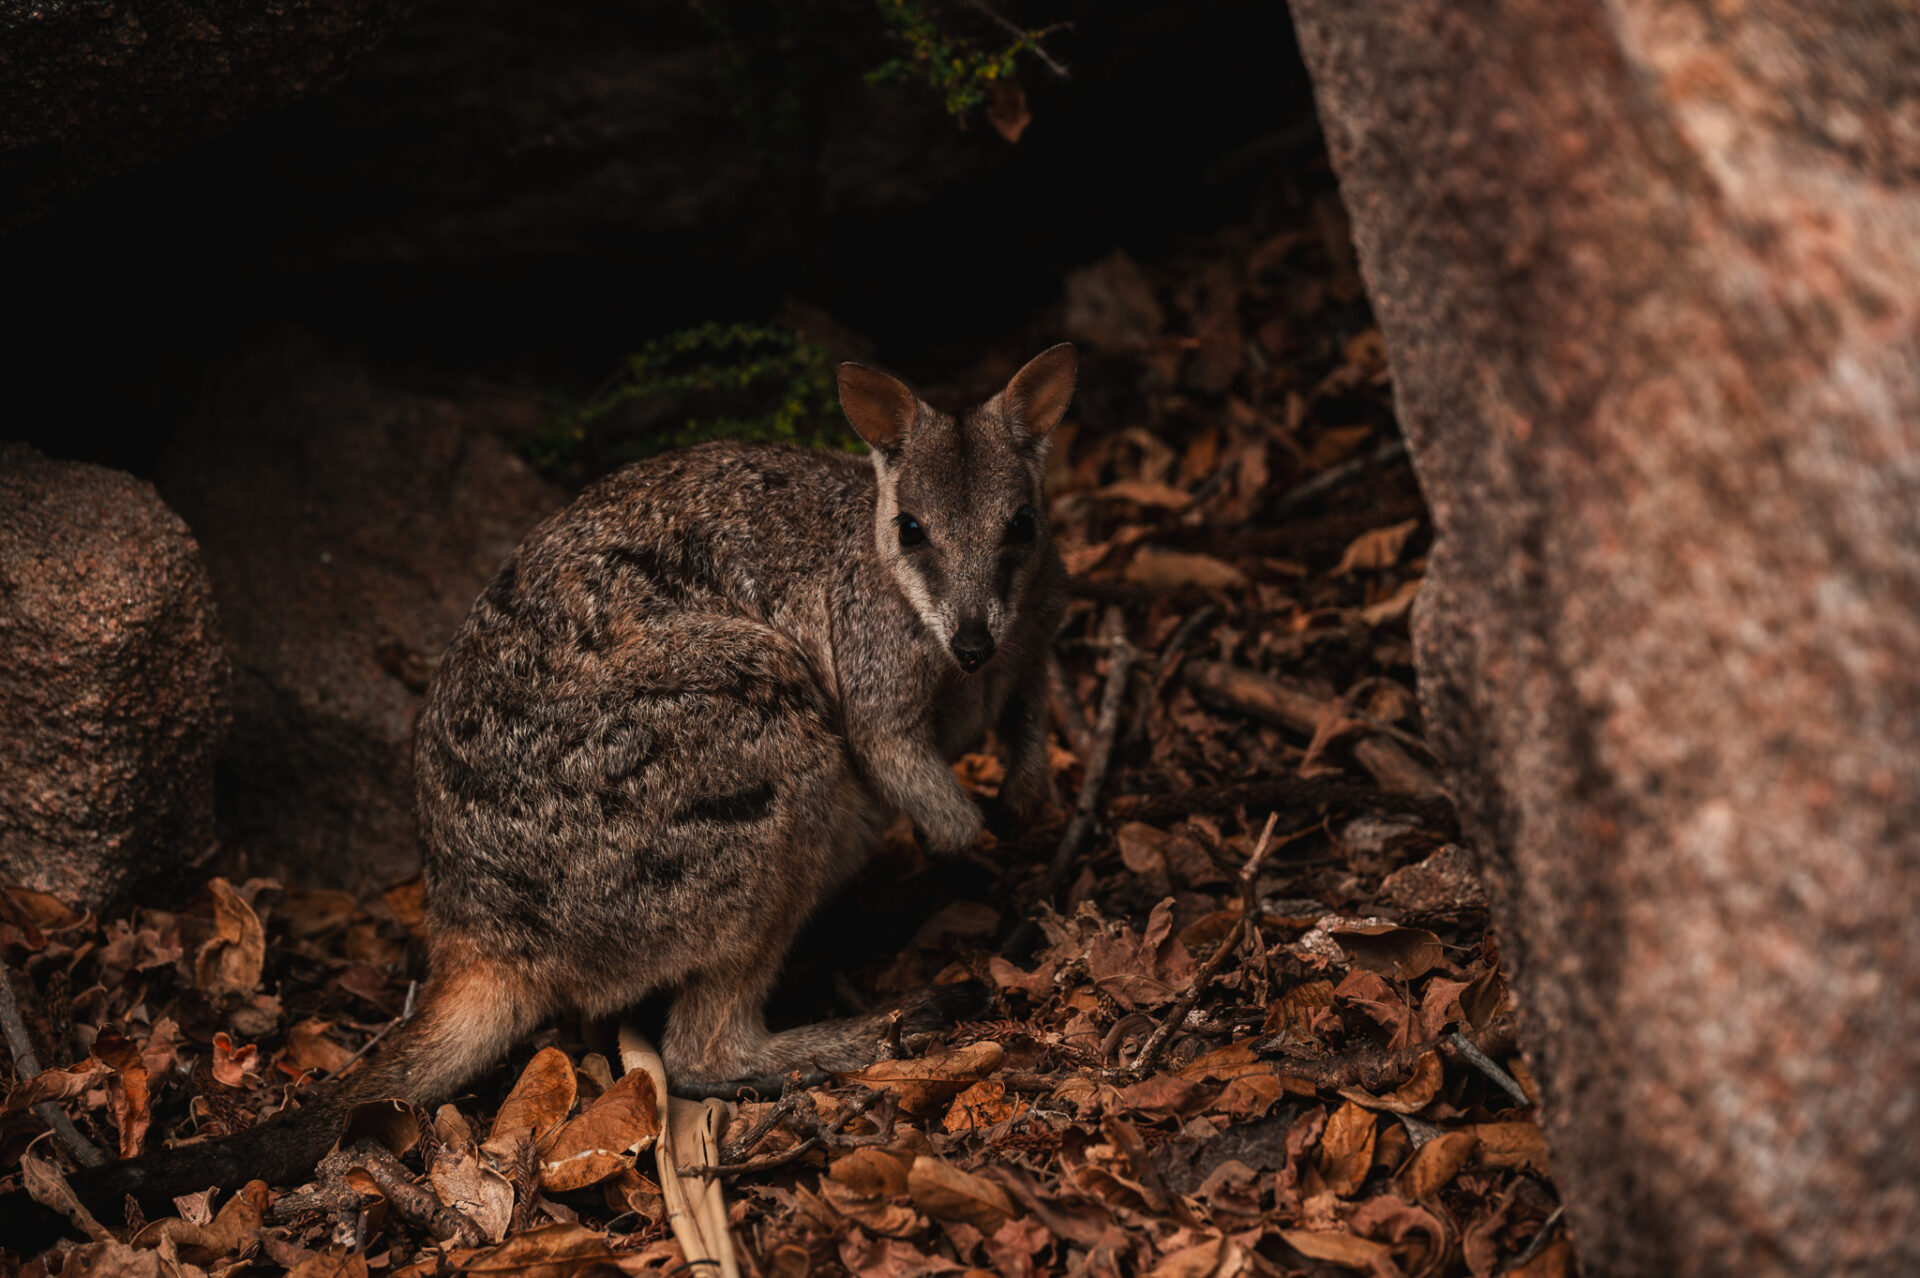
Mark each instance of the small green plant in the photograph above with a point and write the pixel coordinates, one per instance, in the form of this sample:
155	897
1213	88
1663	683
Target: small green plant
961	69
784	384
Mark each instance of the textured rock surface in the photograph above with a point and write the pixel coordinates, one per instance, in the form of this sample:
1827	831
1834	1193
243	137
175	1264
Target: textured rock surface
1649	275
89	89
347	527
112	686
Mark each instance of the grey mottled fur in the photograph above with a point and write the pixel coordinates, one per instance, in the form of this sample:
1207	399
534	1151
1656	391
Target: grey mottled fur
689	705
682	713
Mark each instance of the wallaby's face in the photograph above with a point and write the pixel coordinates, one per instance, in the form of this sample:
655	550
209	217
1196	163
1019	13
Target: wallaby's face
961	519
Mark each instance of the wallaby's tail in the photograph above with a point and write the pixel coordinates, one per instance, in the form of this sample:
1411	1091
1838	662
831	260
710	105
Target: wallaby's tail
469	1014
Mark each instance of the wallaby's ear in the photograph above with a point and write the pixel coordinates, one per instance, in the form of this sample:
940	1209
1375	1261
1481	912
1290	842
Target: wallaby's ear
881	408
1037	397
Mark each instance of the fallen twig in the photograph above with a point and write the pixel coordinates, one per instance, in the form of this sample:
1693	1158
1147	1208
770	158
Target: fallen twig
406	1014
1536	1243
1163	671
1157	1041
1331	478
1120	657
1490	1067
26	1064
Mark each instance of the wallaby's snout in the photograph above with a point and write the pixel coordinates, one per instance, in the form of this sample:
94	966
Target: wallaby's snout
972	645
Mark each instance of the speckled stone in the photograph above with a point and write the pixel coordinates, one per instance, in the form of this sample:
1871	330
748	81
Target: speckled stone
113	687
1649	277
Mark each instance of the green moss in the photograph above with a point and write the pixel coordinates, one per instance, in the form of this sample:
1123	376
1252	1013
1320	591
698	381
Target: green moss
778	389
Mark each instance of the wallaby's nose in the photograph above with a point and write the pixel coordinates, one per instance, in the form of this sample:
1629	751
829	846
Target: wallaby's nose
972	646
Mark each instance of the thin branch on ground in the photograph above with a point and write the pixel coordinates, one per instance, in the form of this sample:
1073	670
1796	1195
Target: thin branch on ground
1120	659
1333	477
406	1014
1156	1043
26	1064
1490	1067
1163	668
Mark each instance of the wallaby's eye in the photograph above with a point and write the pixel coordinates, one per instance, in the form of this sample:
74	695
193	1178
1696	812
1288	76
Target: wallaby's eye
1020	527
911	533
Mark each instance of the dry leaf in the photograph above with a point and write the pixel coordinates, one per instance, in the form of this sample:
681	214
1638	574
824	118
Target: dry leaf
862	1186
391	1123
1401	953
57	1084
982	1105
925	1084
1346	1250
47	1185
127	1092
1144	492
551	1251
233	1062
602	1142
945	1192
1517	1145
1412	1095
325	1265
1007	109
237	1221
1294	1012
1377	549
310	1048
1394	606
463	1180
229	963
1436	1163
1346	1149
1173	569
540	1101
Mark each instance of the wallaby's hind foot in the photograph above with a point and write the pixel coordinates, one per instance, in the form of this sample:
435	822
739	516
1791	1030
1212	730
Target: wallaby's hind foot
819	1051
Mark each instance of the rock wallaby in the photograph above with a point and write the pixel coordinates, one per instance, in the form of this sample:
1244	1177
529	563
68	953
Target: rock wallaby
683	712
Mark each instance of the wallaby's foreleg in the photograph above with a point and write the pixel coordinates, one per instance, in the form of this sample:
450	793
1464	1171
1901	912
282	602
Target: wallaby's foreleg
905	767
1023	727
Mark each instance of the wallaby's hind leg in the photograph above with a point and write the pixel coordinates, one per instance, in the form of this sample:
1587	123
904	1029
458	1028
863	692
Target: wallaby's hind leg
717	1035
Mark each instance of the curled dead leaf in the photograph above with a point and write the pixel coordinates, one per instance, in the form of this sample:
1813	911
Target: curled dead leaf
47	1185
233	1062
1436	1163
1346	1250
1401	953
924	1084
606	1136
57	1084
540	1101
127	1091
945	1192
1412	1095
1512	1145
236	1222
982	1105
1346	1149
1377	549
1174	569
391	1123
229	963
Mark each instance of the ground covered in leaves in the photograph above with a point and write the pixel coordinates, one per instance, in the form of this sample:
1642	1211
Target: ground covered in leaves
1260	1028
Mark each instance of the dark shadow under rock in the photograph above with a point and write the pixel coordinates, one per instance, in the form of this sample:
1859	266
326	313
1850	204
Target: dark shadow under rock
348	527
